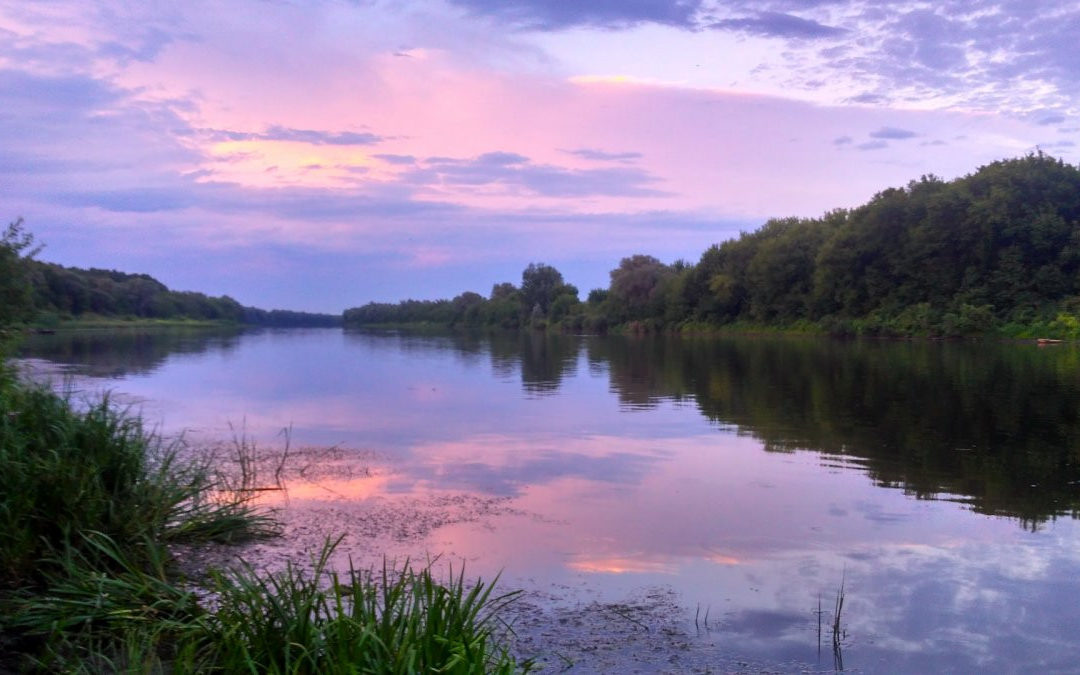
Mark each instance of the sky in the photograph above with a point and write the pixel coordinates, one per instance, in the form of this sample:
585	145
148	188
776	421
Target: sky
321	154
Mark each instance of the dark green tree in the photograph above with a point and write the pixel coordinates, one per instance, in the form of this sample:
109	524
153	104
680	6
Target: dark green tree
540	284
503	290
16	291
637	285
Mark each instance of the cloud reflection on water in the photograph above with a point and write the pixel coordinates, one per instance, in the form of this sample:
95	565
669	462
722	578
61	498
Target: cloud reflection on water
748	476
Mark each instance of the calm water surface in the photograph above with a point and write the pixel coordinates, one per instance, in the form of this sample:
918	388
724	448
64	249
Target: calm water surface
940	483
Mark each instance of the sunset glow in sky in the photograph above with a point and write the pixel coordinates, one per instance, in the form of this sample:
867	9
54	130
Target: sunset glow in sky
318	155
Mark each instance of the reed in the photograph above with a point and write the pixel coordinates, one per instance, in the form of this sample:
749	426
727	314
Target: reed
396	621
67	472
838	633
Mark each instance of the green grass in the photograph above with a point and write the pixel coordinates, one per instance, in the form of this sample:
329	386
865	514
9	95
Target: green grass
138	619
90	503
66	472
51	321
138	322
399	621
89	618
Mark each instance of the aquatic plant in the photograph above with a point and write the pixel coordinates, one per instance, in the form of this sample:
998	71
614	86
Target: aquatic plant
838	633
396	621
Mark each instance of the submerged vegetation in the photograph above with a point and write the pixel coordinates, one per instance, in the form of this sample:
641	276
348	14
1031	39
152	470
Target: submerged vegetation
996	252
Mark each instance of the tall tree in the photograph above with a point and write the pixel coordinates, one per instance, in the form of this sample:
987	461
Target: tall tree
540	284
635	285
16	292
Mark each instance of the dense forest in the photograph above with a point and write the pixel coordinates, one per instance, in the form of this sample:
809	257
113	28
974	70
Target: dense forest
994	252
47	294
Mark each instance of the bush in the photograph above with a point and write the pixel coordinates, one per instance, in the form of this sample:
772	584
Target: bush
837	327
969	320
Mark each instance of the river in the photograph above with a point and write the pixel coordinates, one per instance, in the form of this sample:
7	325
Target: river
666	503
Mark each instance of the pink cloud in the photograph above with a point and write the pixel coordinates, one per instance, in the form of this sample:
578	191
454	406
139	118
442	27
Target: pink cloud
429	257
416	138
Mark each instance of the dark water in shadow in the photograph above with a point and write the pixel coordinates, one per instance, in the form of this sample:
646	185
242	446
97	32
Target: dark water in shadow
940	482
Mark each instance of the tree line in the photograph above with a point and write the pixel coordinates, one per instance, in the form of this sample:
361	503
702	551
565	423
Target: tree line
47	293
543	297
997	251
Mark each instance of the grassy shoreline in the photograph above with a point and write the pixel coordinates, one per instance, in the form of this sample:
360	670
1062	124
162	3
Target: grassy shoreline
106	322
1062	327
91	504
1059	329
95	322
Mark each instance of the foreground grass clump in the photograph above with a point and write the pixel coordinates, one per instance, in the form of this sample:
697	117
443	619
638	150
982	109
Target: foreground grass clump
65	473
90	503
323	622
